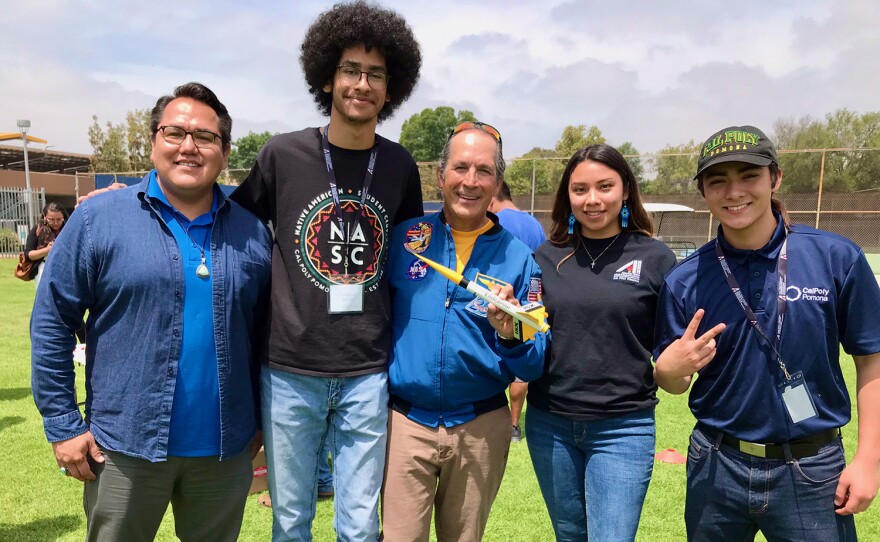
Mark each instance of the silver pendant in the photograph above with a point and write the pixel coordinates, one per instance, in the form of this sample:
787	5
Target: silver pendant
592	265
202	270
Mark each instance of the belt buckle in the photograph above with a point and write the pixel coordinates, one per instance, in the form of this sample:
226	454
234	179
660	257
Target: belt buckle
751	448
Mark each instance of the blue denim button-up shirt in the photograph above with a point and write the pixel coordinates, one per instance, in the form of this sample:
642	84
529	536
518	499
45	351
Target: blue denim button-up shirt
118	259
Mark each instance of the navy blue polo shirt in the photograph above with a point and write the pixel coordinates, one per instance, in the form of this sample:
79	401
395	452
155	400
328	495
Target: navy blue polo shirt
832	300
195	412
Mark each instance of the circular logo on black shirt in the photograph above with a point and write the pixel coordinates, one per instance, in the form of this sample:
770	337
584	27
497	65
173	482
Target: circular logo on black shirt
325	245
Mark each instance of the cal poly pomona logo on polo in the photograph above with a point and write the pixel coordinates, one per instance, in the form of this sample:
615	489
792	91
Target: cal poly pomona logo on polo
323	245
795	293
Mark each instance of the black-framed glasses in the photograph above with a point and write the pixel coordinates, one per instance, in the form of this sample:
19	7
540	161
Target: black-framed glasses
476	125
352	76
176	135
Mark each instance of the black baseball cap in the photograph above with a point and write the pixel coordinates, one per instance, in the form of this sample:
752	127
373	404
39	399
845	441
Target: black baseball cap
736	144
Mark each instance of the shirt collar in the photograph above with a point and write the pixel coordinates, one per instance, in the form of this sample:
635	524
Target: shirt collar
155	191
770	251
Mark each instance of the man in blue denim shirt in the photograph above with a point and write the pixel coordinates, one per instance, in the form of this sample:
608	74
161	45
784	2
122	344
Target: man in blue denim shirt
173	276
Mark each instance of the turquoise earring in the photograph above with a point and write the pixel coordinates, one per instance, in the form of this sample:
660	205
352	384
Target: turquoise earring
624	216
571	221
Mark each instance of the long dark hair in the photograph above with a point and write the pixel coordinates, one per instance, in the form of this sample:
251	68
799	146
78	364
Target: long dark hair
639	221
50	207
777	204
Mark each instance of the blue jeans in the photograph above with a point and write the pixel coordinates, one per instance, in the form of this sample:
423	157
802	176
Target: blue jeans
732	495
299	414
593	474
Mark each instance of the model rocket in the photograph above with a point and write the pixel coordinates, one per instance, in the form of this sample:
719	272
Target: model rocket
527	320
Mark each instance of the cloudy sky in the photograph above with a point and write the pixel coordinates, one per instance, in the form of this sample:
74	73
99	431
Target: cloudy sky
649	72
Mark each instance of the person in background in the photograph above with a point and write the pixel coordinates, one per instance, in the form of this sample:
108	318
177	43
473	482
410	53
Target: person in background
761	313
175	290
42	236
590	421
527	229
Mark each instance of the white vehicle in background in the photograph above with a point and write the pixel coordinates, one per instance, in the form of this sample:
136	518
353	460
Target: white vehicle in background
681	248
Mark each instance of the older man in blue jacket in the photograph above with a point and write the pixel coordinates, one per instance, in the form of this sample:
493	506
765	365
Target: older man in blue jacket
173	276
454	355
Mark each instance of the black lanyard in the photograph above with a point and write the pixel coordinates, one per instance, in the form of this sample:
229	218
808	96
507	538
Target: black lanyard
331	175
781	299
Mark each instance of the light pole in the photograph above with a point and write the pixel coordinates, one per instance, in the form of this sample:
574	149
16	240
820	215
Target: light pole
23	127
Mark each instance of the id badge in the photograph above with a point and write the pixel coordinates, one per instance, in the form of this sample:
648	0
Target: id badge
346	299
797	399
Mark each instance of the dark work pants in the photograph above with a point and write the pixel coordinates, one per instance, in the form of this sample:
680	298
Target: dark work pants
127	501
732	495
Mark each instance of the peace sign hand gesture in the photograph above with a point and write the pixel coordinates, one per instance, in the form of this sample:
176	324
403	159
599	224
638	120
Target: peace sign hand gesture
685	356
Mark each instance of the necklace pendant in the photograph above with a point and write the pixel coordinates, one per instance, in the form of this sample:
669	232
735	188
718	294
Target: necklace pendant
592	265
202	270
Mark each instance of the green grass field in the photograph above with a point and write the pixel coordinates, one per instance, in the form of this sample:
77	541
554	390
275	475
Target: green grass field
38	504
874	261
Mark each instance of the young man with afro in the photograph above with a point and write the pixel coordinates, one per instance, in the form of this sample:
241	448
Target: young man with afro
332	195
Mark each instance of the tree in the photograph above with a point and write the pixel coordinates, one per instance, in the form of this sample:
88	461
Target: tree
424	134
121	148
675	165
801	170
138	138
631	154
574	138
245	150
546	166
109	152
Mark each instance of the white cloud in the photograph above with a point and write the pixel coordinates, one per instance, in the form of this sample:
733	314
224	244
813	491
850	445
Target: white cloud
651	72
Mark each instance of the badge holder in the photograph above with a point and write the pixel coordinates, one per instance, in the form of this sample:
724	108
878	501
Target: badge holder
346	298
796	396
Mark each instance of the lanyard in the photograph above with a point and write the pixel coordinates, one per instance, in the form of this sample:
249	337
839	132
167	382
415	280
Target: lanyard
781	300
331	175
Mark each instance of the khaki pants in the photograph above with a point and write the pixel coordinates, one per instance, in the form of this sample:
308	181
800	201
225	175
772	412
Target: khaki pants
127	501
456	471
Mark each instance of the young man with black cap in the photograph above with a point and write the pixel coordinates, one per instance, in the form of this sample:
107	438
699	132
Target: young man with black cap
760	313
332	195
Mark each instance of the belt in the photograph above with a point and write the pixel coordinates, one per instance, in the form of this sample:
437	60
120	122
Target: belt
803	447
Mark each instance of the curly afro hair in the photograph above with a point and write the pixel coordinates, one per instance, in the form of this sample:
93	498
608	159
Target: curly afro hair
359	23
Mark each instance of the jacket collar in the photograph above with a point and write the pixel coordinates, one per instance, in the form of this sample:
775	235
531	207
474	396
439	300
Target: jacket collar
494	230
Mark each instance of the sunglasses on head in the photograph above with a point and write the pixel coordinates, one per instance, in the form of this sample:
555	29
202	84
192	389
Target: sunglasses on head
476	125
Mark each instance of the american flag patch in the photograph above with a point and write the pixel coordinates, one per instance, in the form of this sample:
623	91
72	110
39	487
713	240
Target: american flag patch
534	290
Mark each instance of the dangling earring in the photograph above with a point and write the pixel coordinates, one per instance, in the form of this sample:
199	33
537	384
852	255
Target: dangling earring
624	216
571	221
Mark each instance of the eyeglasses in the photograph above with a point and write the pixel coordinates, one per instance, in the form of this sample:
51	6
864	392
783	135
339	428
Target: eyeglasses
54	220
175	135
476	125
352	76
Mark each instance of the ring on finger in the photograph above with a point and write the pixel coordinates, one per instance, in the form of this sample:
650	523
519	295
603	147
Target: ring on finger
64	471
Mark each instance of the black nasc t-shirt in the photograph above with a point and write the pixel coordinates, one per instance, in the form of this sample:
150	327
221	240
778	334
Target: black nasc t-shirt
602	324
289	187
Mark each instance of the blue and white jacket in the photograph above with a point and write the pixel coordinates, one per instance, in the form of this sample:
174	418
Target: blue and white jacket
448	365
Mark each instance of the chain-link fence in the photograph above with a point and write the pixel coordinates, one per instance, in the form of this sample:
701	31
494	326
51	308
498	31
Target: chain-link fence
833	189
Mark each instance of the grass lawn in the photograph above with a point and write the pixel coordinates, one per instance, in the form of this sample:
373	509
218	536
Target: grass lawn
38	504
874	261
